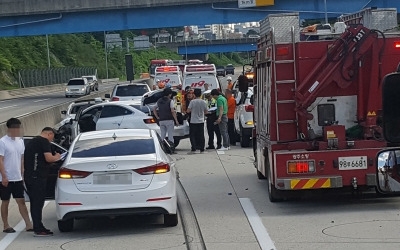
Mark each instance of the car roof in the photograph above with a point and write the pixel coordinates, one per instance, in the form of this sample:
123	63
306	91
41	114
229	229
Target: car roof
139	133
128	83
77	78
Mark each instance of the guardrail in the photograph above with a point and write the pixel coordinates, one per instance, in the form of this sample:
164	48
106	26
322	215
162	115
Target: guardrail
23	92
34	122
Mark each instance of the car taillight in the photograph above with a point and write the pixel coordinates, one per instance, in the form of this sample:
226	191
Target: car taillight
249	108
66	173
149	120
299	167
115	99
159	168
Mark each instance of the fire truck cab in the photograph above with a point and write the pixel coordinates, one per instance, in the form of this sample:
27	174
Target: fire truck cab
318	104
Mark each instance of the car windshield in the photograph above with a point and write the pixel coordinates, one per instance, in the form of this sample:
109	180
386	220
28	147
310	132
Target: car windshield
76	82
109	147
131	90
89	78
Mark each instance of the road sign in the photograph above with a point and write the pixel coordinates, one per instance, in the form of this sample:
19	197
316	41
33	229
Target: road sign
255	3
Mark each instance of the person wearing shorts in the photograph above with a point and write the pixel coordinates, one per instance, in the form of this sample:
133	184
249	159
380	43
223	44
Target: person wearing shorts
11	171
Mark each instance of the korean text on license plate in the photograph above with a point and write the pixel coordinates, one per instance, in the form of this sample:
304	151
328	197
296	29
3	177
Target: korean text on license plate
354	162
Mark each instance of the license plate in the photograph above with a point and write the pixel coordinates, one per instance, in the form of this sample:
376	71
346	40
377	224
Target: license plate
351	163
74	90
113	179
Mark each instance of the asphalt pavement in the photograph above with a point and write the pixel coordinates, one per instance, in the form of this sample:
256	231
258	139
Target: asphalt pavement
23	106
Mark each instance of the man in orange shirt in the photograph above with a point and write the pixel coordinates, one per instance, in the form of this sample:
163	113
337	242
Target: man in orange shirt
231	116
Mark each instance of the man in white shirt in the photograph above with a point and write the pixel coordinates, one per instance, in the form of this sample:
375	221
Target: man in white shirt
11	172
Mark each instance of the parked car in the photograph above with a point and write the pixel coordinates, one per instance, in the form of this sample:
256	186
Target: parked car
116	172
77	87
94	85
128	91
53	167
230	69
221	71
74	107
149	101
111	115
244	122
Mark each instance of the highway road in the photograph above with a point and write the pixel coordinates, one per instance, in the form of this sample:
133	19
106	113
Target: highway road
22	106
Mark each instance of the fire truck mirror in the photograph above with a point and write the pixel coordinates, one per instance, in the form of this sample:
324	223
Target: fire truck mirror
390	107
388	171
243	83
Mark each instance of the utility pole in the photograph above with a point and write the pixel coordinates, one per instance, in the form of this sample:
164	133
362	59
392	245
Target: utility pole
105	53
48	50
326	13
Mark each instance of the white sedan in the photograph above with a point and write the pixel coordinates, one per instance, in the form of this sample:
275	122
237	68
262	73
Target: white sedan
116	172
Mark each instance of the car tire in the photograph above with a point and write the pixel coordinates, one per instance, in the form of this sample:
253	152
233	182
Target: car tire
170	220
244	139
67	96
66	225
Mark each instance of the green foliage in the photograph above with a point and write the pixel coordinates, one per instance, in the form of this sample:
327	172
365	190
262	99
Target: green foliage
222	59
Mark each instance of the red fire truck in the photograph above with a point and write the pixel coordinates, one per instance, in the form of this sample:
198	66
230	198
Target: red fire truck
318	103
156	63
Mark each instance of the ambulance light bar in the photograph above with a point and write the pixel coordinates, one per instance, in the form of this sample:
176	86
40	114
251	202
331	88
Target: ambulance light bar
167	69
199	68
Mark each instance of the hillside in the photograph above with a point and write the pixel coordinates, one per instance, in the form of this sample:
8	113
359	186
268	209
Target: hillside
77	50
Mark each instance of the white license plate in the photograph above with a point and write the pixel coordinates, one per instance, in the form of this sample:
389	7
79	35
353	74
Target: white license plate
113	179
351	163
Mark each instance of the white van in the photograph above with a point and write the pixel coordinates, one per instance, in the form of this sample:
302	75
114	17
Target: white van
196	76
169	75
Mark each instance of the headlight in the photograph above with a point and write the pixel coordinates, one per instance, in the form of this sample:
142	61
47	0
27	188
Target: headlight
83	89
66	89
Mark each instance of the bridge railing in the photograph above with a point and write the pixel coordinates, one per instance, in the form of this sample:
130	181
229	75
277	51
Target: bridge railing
210	42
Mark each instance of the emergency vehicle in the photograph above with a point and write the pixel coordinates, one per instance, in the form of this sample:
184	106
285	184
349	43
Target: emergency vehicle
318	103
195	62
196	76
180	63
156	63
169	75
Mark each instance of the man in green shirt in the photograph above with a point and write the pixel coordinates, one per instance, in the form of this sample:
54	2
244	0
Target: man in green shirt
222	118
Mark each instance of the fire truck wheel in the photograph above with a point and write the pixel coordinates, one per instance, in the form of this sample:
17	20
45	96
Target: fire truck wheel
274	194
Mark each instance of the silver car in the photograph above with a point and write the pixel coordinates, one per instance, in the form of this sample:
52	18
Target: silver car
77	87
244	117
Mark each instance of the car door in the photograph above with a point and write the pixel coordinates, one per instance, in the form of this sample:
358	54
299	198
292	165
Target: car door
111	117
53	171
87	119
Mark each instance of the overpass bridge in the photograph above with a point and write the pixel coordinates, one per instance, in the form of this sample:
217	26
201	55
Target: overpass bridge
41	17
192	47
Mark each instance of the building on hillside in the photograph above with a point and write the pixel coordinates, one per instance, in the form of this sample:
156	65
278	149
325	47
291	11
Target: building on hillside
141	42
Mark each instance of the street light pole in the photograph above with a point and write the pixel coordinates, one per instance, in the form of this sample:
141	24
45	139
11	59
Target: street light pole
48	50
326	13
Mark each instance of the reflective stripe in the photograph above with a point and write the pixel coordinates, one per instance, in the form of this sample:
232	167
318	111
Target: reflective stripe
312	183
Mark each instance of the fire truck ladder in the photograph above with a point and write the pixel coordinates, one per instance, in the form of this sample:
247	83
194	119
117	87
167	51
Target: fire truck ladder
289	105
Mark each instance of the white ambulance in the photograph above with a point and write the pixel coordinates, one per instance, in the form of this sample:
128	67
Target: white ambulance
197	76
168	75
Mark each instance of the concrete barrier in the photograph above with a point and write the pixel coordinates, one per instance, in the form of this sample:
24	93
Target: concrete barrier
36	121
23	92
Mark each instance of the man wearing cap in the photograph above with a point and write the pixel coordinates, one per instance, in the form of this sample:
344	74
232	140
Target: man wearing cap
230	83
11	172
37	159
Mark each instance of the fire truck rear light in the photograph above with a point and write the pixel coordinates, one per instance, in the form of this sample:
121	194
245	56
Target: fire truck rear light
283	51
397	45
298	167
115	99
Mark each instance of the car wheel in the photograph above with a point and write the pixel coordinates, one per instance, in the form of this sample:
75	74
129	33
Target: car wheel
244	139
67	96
66	225
170	220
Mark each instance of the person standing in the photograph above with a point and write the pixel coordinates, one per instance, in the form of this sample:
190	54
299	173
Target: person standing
230	83
37	159
211	126
166	115
197	109
222	119
11	172
231	116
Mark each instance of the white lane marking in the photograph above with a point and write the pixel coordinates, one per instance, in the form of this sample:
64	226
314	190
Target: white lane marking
9	106
10	237
42	100
256	224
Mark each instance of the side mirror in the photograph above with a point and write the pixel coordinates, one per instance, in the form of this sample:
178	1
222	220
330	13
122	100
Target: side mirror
243	82
390	110
107	96
64	112
388	171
